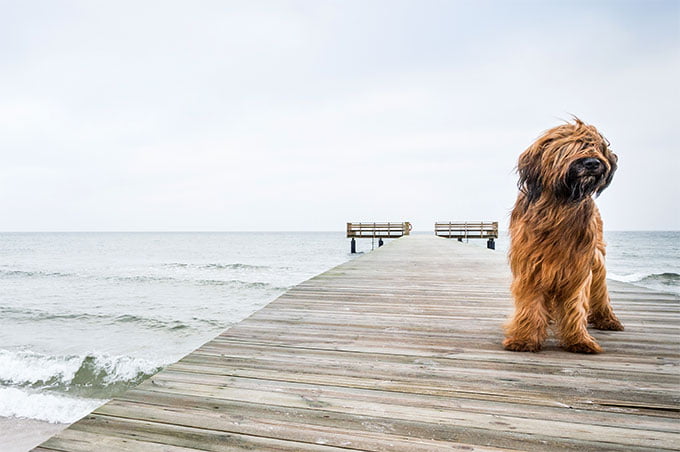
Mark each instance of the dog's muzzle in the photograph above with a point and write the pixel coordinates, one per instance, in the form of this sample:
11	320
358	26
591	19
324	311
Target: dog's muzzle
588	166
583	178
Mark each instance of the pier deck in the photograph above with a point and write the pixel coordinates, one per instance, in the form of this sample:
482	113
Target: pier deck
400	350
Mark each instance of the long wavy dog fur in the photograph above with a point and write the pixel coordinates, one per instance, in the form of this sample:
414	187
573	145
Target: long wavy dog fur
557	251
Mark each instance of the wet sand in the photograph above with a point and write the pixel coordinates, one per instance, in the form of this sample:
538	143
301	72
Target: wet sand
21	435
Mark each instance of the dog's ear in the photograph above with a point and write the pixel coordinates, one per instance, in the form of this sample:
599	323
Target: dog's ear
529	169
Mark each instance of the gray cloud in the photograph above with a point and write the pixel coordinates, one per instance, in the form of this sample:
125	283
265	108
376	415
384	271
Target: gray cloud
304	115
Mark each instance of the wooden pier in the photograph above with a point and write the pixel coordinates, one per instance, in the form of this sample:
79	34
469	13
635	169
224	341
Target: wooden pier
400	350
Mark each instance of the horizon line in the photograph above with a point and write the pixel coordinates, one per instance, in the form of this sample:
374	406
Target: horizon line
129	231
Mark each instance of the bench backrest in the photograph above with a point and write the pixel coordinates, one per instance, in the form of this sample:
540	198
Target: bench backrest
378	230
467	229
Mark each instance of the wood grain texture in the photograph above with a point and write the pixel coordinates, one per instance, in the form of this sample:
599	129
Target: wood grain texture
400	349
378	230
466	229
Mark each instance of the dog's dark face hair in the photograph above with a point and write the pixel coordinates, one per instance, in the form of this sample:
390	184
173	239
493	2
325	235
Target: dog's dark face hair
568	163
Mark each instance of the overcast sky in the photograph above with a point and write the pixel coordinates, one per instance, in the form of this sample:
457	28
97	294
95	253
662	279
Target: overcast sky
302	115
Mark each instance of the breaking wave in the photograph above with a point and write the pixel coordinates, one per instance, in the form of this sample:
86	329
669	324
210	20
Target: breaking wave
666	281
669	278
91	376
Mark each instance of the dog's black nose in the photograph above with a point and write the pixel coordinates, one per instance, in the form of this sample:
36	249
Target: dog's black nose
592	164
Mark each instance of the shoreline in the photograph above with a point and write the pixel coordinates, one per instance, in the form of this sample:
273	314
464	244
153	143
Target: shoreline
23	434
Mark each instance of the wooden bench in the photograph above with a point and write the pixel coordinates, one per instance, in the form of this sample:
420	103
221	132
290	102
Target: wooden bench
376	231
468	230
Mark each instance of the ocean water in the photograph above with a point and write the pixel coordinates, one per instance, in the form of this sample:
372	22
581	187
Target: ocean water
84	316
648	259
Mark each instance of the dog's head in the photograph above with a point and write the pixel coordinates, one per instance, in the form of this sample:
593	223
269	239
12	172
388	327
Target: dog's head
568	163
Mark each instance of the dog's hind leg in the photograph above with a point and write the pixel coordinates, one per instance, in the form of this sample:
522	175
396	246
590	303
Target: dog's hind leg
601	314
573	321
527	329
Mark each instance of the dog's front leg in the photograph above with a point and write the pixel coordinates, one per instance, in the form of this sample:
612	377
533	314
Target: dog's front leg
527	329
573	320
601	314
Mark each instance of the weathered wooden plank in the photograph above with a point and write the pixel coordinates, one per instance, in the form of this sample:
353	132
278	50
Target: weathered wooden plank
221	414
659	406
496	360
488	336
443	366
138	436
429	346
219	388
400	350
428	323
436	413
214	425
429	342
74	440
506	386
419	314
485	310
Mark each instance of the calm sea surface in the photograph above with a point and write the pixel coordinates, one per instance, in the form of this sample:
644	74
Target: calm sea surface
83	316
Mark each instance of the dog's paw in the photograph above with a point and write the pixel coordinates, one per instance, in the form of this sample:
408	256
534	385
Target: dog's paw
607	324
517	345
583	347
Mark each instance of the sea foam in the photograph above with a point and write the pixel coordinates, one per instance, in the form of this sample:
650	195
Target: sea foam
55	408
90	375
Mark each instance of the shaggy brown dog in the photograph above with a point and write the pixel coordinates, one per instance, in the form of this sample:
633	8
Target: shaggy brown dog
557	251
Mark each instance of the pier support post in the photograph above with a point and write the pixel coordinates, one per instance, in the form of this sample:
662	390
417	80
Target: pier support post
353	246
380	243
491	244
